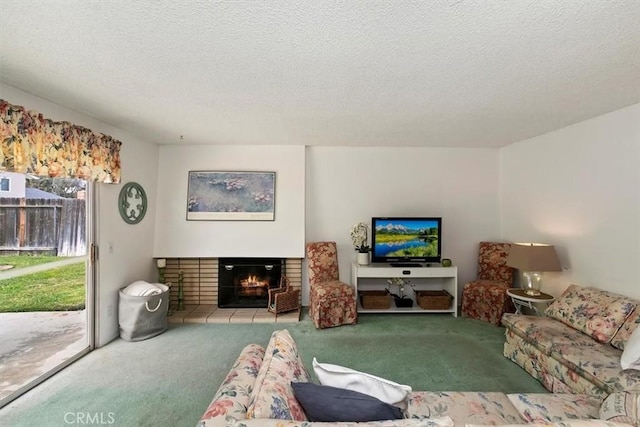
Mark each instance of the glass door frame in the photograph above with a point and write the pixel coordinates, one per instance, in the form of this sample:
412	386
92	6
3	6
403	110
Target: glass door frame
90	296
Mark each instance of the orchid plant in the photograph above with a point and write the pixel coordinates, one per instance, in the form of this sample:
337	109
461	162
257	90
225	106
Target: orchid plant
359	236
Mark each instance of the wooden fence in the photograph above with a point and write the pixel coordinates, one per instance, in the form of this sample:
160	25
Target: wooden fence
53	226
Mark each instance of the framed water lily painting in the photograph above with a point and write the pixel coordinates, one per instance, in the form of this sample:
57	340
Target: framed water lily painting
231	196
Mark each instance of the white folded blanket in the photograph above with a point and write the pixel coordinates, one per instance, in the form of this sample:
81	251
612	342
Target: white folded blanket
141	288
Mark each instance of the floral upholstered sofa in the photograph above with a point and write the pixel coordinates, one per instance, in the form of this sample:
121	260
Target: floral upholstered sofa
258	392
576	347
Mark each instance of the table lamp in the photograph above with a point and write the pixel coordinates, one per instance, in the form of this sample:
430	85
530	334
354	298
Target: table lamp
532	259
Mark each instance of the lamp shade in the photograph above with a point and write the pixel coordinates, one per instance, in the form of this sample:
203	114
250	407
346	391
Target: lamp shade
533	257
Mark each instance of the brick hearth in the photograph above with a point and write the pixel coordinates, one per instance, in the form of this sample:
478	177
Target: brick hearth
213	314
200	289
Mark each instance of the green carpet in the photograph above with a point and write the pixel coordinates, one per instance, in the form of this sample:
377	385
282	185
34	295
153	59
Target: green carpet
170	379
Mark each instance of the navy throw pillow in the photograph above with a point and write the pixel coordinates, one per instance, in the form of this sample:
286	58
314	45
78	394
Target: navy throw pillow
326	403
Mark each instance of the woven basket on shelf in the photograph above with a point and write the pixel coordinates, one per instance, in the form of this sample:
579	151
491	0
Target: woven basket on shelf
374	299
434	300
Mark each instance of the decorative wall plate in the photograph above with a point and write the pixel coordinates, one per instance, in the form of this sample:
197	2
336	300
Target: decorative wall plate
132	203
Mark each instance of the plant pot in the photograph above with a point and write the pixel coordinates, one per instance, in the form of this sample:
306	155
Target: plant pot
362	258
403	302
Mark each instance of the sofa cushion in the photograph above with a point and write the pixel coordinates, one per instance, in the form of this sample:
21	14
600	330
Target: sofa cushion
555	376
380	388
595	312
545	407
233	395
586	369
326	403
545	332
472	407
621	407
624	333
600	365
272	395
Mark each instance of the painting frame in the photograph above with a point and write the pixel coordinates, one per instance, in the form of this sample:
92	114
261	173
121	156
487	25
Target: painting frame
215	195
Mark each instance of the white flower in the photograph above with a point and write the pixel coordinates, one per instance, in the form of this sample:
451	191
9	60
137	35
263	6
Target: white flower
400	283
359	234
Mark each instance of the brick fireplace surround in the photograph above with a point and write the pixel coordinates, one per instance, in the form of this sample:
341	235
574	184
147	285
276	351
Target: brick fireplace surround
200	289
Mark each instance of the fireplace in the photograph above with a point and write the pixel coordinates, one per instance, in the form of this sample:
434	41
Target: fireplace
245	282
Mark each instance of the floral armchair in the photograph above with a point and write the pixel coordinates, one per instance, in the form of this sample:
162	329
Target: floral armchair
486	297
331	302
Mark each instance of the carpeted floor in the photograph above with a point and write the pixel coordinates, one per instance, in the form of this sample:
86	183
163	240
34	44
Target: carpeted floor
170	379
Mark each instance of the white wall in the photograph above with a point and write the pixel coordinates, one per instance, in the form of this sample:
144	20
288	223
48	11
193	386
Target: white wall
132	244
17	184
282	238
579	189
346	185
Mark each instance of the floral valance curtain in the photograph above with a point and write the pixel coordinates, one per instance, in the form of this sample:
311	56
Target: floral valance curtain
35	145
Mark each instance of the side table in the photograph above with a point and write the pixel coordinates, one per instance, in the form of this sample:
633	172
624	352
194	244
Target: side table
520	300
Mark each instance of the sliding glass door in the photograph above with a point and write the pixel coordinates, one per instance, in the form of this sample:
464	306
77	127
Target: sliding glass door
46	278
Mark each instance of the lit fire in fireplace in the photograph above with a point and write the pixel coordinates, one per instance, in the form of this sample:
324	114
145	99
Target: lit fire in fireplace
253	286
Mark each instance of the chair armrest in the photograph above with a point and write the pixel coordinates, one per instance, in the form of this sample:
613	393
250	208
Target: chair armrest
276	291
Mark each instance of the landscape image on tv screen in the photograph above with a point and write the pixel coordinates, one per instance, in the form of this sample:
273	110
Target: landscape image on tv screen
406	238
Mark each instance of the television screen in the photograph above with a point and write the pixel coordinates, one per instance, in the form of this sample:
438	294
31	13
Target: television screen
401	240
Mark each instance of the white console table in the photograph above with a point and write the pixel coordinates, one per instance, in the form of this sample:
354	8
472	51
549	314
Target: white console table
431	278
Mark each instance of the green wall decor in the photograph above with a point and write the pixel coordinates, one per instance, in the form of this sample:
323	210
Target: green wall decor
132	203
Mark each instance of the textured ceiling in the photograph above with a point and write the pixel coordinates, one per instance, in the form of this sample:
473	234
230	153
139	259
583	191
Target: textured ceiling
378	73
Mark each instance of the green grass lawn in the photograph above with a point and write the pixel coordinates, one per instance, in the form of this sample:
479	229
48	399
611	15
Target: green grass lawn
58	289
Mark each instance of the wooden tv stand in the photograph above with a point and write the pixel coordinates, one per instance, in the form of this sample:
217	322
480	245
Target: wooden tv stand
430	278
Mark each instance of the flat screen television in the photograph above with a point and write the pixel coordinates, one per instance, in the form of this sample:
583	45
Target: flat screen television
406	241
